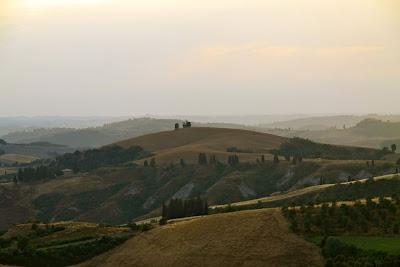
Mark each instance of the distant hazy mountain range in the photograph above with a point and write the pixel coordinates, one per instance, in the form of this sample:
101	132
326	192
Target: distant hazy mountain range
370	130
13	124
99	136
325	122
367	133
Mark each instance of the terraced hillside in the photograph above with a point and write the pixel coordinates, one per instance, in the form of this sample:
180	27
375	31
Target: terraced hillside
247	238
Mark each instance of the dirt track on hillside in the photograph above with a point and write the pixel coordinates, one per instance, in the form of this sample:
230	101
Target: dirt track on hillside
248	238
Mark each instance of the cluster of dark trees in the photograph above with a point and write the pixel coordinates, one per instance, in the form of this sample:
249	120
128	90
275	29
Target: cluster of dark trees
361	218
233	160
393	147
202	159
213	159
275	160
185	124
82	161
297	159
299	147
22	251
182	162
180	208
95	158
370	164
262	159
33	174
151	164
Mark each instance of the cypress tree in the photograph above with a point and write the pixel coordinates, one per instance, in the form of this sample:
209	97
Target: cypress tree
276	159
202	159
164	211
153	162
182	163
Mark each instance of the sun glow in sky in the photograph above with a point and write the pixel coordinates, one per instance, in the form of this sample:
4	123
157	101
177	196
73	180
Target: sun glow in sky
120	57
44	3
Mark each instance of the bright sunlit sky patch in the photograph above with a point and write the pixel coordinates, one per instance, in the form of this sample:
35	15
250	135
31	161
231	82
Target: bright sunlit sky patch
130	57
43	3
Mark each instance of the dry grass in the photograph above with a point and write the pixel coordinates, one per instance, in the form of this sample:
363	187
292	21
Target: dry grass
7	170
248	238
18	158
70	184
171	146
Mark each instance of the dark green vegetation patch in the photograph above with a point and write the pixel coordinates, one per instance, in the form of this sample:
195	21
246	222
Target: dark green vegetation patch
95	158
299	147
59	245
365	233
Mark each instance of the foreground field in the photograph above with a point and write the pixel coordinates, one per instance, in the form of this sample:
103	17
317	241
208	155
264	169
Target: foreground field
247	238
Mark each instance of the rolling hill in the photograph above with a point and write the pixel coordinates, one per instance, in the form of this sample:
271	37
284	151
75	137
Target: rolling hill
317	123
369	132
25	153
363	131
247	238
171	146
126	191
101	135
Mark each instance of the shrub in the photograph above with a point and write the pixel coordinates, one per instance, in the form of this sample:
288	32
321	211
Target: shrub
133	226
145	227
163	221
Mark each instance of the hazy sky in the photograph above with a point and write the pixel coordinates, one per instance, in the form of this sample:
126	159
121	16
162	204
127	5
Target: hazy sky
132	57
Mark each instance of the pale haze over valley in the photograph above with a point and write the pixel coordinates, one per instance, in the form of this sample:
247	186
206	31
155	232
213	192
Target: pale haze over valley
165	57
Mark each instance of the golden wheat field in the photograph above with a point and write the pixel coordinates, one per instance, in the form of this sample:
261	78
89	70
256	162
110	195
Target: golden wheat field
247	238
